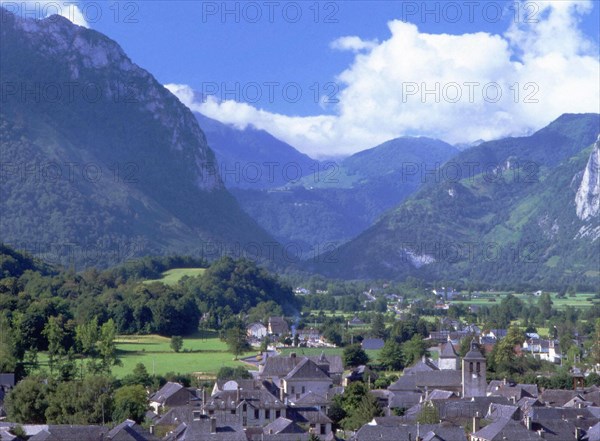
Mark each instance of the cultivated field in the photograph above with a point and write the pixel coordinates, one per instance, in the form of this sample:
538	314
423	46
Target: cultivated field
173	276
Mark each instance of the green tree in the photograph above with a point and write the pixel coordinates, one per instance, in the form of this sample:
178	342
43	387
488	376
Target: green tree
55	334
391	356
236	341
378	326
87	401
176	343
130	403
354	355
87	336
414	349
28	401
505	349
107	347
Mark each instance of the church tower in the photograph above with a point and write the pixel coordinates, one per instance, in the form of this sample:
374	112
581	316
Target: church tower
474	373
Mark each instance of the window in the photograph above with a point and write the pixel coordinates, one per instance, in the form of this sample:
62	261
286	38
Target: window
233	411
323	429
293	390
303	389
267	413
277	413
471	367
256	414
244	407
478	367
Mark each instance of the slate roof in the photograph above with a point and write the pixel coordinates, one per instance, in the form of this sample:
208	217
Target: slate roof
7	380
405	432
199	430
70	433
447	350
307	370
438	379
498	411
466	408
128	430
423	365
307	415
372	343
257	398
279	367
166	392
593	433
474	353
282	425
310	399
506	429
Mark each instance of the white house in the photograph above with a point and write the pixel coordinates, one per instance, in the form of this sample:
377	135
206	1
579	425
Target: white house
256	330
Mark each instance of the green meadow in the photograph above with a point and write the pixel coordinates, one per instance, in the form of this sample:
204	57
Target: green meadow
173	276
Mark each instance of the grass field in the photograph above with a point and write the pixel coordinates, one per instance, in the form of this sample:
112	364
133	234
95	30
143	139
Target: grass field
173	276
202	355
581	300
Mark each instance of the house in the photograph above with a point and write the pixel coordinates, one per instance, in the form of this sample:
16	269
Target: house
170	395
278	326
204	428
305	377
355	321
7	382
251	406
449	359
408	432
256	330
512	391
505	429
360	373
543	349
372	343
308	335
274	368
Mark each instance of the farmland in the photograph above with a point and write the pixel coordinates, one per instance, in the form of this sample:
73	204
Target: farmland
173	276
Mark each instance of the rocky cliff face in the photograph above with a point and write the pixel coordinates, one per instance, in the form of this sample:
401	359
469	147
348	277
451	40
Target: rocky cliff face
74	103
587	199
91	66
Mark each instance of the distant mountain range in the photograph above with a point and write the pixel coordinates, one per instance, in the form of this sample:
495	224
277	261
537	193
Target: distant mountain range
338	200
100	162
507	212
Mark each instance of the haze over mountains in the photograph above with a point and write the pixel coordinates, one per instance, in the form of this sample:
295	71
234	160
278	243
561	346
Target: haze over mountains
100	163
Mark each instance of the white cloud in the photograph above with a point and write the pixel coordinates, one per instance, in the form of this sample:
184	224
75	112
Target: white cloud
541	70
353	43
46	8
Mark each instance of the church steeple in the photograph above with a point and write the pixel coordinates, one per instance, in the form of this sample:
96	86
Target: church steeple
474	372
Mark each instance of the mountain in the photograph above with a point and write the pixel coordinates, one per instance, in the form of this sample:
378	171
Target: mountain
338	200
100	163
517	210
252	158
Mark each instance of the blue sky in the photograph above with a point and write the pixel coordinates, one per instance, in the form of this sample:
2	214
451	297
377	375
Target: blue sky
332	78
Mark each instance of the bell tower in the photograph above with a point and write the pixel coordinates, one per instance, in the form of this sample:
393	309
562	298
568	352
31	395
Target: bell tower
474	382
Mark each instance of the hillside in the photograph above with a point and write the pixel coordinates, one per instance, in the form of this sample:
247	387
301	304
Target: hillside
339	200
101	162
252	158
502	211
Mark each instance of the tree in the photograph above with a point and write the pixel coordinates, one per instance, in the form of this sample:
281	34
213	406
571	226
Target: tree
28	401
107	347
505	349
354	355
176	343
545	306
87	401
237	373
86	336
391	356
414	349
236	341
596	345
55	334
378	326
130	403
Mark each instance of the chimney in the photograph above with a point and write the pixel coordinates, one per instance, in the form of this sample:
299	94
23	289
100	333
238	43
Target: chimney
213	425
528	422
237	394
476	421
578	433
151	429
204	396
